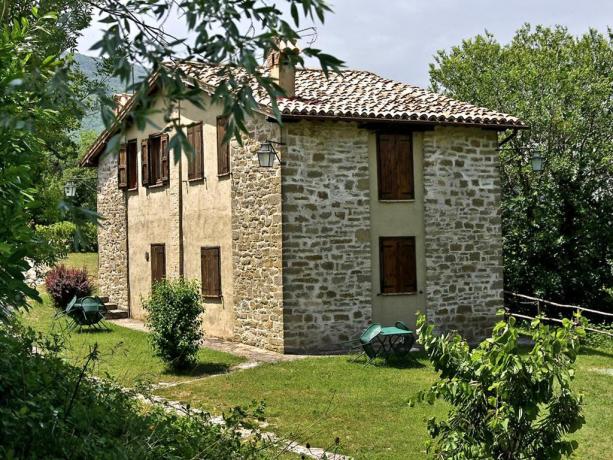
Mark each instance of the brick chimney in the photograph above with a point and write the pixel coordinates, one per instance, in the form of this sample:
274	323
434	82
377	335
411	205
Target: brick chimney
281	70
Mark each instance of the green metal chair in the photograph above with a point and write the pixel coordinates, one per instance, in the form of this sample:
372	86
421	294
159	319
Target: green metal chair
87	311
379	341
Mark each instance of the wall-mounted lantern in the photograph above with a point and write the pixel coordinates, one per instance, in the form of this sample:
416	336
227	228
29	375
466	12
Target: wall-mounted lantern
70	189
267	154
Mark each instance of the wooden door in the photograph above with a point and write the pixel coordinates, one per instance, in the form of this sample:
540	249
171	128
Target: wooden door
158	263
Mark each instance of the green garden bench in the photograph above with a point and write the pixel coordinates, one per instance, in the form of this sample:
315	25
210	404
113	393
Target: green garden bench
385	341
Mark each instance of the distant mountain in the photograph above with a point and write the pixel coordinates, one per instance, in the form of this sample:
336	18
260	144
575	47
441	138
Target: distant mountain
89	66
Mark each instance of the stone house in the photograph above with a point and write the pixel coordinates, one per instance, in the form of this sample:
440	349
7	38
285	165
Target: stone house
386	202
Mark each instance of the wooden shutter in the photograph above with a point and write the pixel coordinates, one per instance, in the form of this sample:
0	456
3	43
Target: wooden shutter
158	263
191	163
397	264
165	163
223	149
122	167
395	167
132	158
199	151
195	164
144	153
210	262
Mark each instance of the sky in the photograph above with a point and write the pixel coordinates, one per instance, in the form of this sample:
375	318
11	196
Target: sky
398	38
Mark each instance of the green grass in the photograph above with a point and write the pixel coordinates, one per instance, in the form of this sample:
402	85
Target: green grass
87	260
124	354
317	400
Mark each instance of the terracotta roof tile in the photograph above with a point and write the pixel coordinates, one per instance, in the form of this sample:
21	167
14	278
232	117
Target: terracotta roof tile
358	94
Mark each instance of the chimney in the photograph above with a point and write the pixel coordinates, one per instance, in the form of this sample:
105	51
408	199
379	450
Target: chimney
119	101
280	68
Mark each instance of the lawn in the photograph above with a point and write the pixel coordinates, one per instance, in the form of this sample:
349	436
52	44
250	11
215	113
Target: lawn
316	400
125	354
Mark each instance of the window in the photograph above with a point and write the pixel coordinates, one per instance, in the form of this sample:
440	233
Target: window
158	263
132	164
223	148
395	167
195	162
210	261
154	153
397	264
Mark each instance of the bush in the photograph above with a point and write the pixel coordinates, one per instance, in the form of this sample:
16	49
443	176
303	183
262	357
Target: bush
64	237
505	404
49	410
64	283
175	310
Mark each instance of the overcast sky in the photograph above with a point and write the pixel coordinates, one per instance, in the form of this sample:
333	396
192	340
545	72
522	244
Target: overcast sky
397	38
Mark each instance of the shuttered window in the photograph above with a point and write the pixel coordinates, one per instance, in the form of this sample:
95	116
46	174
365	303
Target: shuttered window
210	260
195	160
223	148
122	167
132	159
158	263
397	265
395	167
158	160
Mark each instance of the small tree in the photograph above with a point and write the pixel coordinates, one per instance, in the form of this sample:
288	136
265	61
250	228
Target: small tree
506	404
175	310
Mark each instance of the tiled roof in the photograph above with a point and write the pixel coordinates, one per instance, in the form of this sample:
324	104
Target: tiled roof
349	95
359	94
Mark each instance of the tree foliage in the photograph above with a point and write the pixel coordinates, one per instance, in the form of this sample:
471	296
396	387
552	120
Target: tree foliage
558	223
505	404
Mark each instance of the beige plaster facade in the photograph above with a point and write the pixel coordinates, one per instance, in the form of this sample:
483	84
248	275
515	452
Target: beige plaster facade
299	242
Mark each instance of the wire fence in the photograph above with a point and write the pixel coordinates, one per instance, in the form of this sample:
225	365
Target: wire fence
527	307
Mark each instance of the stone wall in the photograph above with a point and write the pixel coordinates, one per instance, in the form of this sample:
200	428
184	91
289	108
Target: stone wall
112	236
256	242
326	240
463	235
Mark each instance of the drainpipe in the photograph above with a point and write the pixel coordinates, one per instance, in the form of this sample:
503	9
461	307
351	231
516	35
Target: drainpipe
180	205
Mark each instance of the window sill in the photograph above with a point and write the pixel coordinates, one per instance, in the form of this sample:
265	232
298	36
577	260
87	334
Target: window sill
396	294
133	189
397	201
212	297
228	174
157	185
196	179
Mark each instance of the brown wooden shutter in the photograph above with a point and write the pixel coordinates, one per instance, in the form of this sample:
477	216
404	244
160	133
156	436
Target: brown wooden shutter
122	167
210	261
165	172
132	158
395	167
223	149
144	152
158	263
397	263
385	166
191	163
199	151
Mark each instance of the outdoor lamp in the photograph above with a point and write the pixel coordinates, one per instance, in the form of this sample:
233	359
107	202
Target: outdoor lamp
536	160
267	154
70	189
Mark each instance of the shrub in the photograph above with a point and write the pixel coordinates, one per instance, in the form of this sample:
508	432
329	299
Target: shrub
505	404
49	410
64	237
64	283
175	310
